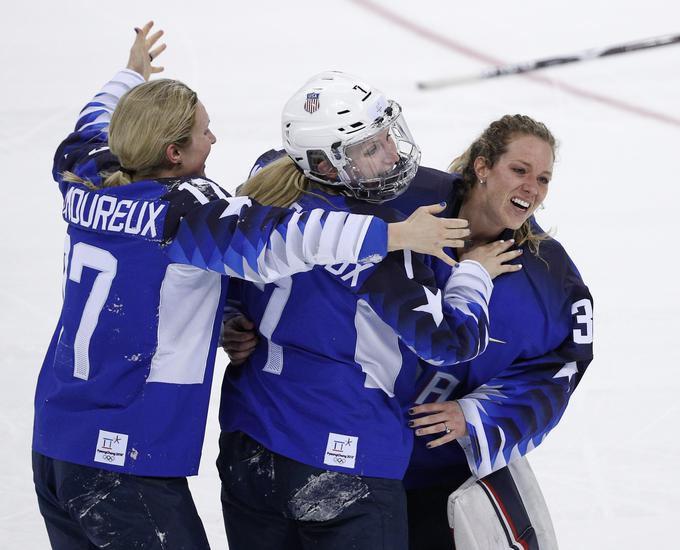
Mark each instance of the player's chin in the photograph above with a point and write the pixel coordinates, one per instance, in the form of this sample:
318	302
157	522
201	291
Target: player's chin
517	219
515	222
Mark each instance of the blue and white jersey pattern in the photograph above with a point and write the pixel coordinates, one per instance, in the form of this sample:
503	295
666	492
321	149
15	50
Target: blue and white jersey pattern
334	371
541	342
126	380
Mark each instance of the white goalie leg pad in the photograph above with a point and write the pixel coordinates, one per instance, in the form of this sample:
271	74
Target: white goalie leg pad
502	511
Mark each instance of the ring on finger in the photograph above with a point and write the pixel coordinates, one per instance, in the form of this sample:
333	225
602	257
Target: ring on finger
447	430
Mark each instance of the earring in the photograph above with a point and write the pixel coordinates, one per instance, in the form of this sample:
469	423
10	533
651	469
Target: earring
482	182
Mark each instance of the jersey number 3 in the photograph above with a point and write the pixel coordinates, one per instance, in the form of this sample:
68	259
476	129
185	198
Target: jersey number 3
85	255
583	310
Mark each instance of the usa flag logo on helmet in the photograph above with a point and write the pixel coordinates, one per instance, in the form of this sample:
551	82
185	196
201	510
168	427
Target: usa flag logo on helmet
312	102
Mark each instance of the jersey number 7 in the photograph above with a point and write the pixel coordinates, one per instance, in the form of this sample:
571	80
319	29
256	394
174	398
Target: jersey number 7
85	255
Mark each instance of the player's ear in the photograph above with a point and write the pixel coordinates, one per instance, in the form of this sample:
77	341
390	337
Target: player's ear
173	154
481	168
325	168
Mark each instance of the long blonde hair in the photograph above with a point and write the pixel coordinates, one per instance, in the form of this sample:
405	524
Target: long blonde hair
491	145
146	120
281	183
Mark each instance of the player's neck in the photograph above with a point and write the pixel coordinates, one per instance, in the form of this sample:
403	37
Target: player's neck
483	229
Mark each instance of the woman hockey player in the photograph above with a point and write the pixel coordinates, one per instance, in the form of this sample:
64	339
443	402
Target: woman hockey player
496	408
314	441
122	395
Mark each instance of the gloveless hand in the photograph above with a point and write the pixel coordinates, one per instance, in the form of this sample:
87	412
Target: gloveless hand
424	232
238	338
143	52
493	257
445	418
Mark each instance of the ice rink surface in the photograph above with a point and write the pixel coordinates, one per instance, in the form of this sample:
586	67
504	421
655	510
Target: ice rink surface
610	471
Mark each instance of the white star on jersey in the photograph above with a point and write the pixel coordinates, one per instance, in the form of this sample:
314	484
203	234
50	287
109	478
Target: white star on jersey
567	371
433	306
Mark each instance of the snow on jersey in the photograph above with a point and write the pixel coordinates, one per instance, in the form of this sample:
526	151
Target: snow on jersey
335	366
126	379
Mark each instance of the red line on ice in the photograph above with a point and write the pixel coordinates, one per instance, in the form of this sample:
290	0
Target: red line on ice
479	56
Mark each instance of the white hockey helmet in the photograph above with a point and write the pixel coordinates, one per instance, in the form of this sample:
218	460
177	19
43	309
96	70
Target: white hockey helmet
340	130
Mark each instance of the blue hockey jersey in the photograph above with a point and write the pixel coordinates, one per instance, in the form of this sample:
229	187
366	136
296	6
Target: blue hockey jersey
334	371
126	379
541	342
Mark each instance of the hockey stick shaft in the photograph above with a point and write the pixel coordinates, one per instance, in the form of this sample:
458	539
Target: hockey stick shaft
529	66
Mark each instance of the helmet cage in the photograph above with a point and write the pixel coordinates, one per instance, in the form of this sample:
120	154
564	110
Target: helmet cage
341	131
377	165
